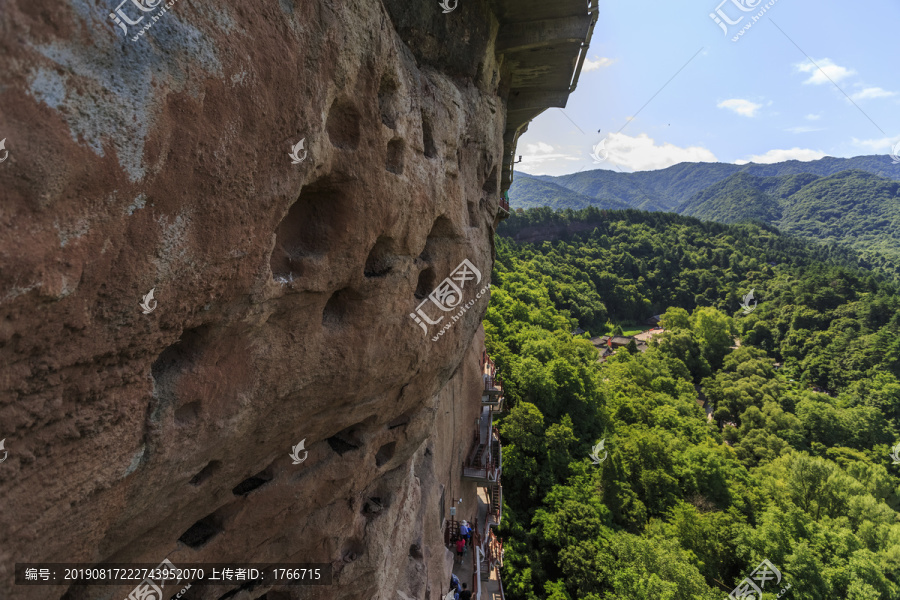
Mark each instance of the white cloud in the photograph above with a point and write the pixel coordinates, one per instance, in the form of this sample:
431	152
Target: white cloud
872	92
598	63
826	72
803	129
641	153
812	117
535	157
740	106
774	156
539	148
876	146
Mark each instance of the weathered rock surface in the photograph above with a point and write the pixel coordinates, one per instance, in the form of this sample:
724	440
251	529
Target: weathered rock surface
284	290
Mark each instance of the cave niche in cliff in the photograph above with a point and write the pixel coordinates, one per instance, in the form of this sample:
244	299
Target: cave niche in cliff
172	363
415	551
346	440
187	414
343	125
471	207
254	482
442	231
425	283
440	241
388	100
340	307
428	138
381	258
314	226
206	472
373	506
394	161
402	420
202	531
385	453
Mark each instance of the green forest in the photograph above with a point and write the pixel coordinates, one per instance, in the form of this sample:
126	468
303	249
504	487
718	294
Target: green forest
853	202
792	465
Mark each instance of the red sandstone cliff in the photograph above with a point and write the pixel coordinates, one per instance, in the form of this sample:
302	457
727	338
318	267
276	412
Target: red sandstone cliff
163	163
160	160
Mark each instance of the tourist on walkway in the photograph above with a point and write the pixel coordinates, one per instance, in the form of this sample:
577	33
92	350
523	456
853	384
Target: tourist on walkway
465	594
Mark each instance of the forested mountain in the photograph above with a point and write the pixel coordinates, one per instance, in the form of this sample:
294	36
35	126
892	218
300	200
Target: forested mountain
534	192
684	507
853	208
858	207
667	189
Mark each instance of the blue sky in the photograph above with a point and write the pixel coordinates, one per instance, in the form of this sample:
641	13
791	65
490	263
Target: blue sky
759	99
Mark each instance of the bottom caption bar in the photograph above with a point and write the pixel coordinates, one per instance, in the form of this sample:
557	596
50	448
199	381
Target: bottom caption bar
165	576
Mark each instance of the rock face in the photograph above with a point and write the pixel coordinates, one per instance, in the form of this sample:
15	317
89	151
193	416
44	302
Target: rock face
282	291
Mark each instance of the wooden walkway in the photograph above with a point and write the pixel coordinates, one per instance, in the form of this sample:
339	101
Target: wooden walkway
490	587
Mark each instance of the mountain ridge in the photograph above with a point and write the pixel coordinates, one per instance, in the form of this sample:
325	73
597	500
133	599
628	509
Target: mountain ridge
854	202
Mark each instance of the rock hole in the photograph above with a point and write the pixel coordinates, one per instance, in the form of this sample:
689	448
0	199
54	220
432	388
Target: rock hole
426	283
387	100
345	441
314	225
343	125
415	551
428	138
441	231
340	446
254	482
174	362
473	213
394	161
385	453
187	414
205	473
202	531
339	308
381	258
373	506
399	421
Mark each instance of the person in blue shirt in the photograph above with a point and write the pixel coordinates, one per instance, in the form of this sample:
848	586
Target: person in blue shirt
454	585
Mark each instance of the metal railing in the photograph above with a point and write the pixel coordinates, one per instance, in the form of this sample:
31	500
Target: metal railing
488	465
